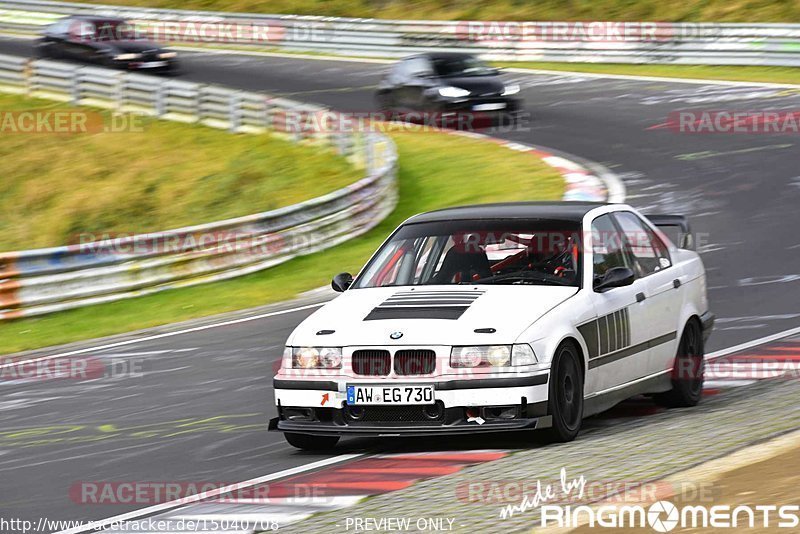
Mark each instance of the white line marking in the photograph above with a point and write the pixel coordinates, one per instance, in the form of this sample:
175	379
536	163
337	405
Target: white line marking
98	525
516	70
222	51
754	343
700	81
161	336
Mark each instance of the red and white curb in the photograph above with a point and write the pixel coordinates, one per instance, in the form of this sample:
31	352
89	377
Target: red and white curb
779	360
584	182
276	505
336	483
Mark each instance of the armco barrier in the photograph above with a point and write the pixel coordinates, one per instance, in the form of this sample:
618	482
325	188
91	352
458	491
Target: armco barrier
36	282
597	42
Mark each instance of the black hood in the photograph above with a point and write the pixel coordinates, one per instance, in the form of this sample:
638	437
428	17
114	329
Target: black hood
477	85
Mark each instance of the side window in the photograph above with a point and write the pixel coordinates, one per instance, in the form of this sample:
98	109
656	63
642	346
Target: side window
607	246
401	69
418	66
649	252
59	28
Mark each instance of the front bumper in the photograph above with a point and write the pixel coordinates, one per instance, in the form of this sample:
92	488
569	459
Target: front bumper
153	65
383	430
475	104
503	404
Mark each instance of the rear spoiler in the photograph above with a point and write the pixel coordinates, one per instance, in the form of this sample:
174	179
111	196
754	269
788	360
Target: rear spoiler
677	229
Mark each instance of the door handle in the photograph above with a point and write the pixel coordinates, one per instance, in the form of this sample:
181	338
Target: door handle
640	297
676	283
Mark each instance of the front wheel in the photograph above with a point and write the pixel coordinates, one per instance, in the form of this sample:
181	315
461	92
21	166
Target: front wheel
566	394
688	371
307	442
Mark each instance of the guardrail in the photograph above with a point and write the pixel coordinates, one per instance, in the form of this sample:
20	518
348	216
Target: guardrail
598	42
36	282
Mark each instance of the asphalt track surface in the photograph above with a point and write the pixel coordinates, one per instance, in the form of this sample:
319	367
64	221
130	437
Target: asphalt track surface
199	411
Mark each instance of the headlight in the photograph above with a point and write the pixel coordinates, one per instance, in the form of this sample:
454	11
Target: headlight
522	354
467	356
127	57
511	89
499	356
492	356
167	55
317	358
453	92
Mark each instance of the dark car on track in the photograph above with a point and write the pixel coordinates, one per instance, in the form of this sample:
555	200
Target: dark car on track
110	42
445	83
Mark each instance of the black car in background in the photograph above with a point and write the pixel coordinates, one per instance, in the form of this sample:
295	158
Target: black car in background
444	83
106	41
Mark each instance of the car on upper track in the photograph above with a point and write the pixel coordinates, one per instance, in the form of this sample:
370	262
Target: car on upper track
447	82
107	41
500	317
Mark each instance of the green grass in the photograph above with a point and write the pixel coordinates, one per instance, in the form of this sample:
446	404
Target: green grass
616	10
56	186
787	75
436	170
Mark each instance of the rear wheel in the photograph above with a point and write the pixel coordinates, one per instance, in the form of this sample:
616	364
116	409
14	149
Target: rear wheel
688	371
385	104
307	442
566	394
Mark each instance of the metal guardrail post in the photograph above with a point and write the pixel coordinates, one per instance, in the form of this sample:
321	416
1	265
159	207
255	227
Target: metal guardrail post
235	112
369	152
75	88
27	76
766	44
161	100
119	93
59	278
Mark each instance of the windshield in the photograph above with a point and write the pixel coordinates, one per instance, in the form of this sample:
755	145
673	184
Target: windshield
112	30
523	252
462	66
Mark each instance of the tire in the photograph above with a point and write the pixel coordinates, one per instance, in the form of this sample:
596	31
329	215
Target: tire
688	371
566	395
385	105
307	442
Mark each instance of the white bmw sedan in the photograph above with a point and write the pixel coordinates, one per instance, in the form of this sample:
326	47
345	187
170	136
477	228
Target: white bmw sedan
500	317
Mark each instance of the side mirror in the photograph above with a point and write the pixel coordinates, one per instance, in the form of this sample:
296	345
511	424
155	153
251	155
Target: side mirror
616	277
341	282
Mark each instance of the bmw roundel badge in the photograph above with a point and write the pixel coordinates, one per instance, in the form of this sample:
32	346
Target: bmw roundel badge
396	335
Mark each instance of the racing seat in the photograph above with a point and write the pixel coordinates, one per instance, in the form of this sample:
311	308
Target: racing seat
463	263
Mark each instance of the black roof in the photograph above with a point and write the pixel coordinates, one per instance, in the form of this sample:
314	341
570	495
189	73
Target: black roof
445	55
95	18
563	211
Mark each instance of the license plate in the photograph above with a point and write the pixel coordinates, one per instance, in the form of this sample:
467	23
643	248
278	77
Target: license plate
364	395
153	64
489	107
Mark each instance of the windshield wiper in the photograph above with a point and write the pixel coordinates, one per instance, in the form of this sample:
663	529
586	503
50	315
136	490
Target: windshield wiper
524	276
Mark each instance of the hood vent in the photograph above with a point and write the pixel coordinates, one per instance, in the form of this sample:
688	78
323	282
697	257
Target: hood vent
413	304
